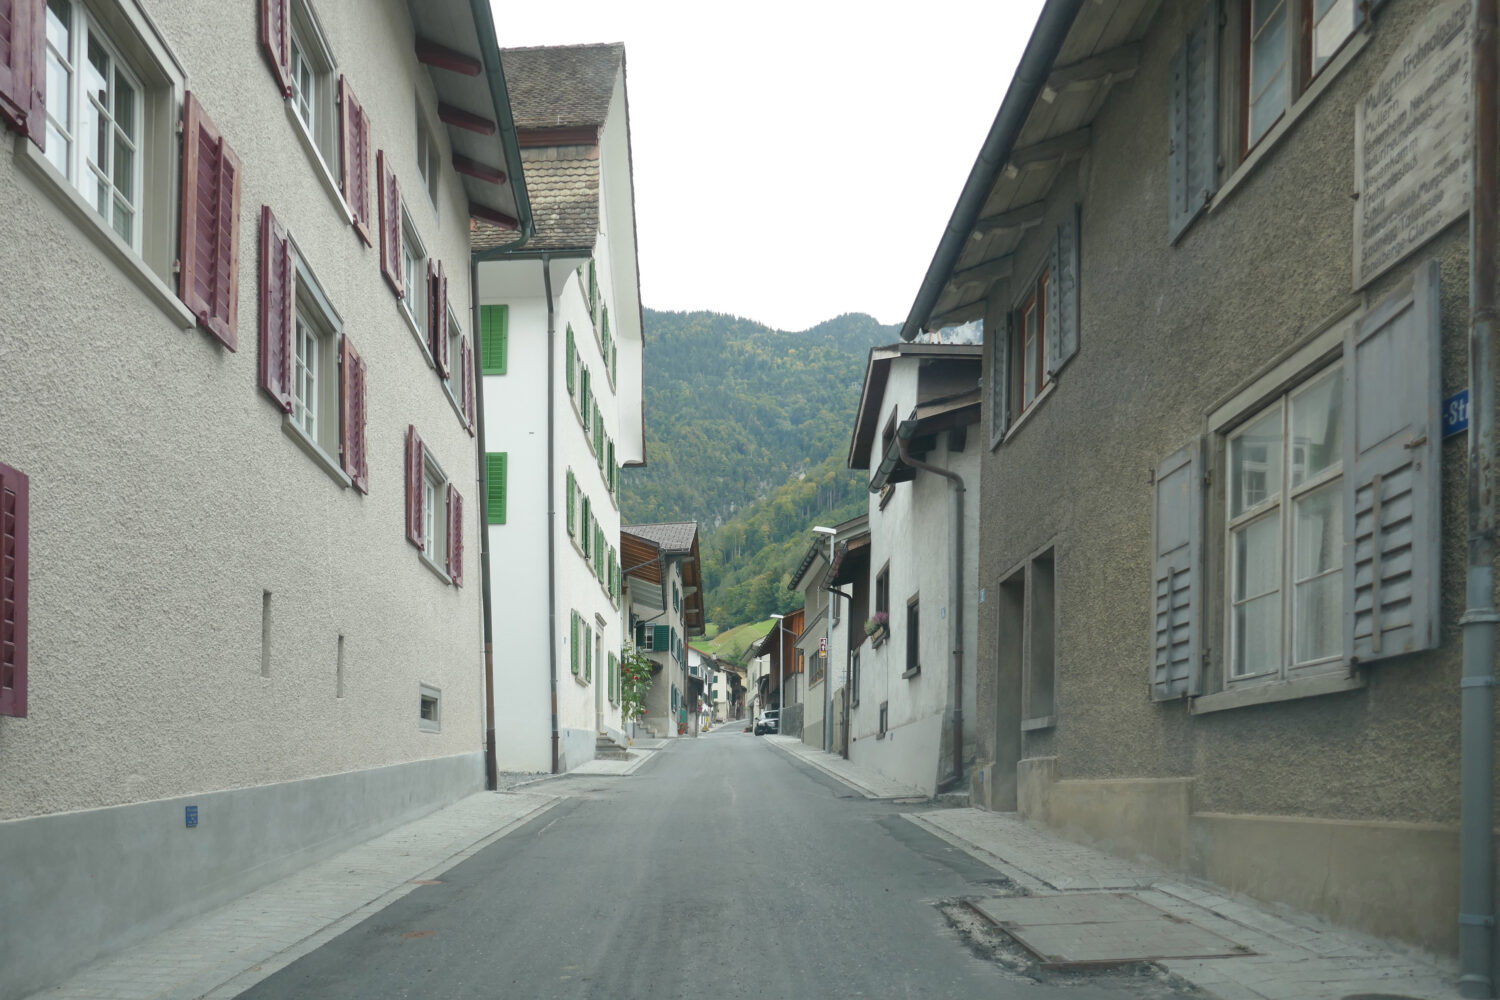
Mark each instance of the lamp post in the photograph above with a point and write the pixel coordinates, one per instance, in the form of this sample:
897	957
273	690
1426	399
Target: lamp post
828	644
780	668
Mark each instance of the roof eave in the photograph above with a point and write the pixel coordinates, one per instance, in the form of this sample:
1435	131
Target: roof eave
489	53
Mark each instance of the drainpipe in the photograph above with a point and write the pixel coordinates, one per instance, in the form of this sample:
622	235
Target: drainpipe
551	506
956	560
491	769
1476	902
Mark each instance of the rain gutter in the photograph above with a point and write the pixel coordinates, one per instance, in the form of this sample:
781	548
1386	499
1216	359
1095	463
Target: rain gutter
491	769
1025	87
551	507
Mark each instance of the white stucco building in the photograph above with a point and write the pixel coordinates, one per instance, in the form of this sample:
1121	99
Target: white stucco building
664	594
561	409
240	622
916	412
824	644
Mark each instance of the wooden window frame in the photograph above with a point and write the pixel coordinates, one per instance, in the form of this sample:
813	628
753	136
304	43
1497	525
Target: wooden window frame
1034	303
913	636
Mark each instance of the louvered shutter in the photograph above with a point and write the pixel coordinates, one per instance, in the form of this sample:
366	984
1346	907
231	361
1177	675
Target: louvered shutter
494	336
392	264
276	40
572	353
354	172
640	635
14	575
1193	149
437	315
209	266
662	636
23	68
455	536
353	452
573	644
1062	295
572	504
1177	583
466	383
999	344
278	295
496	469
415	476
1392	498
588	656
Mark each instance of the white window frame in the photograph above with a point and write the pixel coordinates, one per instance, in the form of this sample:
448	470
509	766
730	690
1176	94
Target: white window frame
1283	506
429	156
453	385
312	311
161	82
414	270
435	526
425	693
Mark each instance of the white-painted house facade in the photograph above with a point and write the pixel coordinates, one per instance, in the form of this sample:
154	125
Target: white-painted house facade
561	404
239	626
916	416
664	593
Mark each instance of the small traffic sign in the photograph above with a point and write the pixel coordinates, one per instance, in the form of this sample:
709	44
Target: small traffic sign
823	644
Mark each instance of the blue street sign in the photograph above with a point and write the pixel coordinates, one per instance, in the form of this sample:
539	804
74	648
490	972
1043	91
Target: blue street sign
1456	414
192	815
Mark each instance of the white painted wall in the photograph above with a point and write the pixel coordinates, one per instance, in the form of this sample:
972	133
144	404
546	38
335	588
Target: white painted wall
913	534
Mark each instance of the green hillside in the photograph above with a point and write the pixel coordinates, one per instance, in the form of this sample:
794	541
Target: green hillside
747	429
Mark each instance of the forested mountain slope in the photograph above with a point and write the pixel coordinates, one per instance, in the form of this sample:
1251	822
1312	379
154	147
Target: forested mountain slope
747	429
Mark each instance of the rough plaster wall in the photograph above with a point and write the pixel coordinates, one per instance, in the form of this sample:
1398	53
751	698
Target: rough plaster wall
1167	333
166	497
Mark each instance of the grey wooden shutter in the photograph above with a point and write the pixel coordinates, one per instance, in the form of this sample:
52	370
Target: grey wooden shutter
1062	295
1193	152
999	341
1392	501
1177	581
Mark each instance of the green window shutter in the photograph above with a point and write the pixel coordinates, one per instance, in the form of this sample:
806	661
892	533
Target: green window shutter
586	398
573	646
572	357
586	523
572	504
593	289
588	657
662	639
494	339
640	635
496	469
604	321
614	360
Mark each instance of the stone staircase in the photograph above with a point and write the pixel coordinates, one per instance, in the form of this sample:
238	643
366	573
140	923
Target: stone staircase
605	748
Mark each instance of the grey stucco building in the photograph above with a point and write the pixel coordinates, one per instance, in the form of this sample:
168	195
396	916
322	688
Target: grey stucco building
241	627
1222	536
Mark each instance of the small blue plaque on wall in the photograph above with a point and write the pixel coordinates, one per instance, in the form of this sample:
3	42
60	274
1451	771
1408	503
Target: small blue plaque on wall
192	815
1456	414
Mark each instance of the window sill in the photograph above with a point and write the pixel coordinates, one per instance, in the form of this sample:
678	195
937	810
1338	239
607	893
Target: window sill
1021	421
437	570
67	198
1042	722
580	680
909	674
320	166
453	402
1288	121
1265	694
421	338
425	726
315	451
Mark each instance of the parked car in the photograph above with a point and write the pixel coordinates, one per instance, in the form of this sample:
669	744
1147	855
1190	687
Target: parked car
769	722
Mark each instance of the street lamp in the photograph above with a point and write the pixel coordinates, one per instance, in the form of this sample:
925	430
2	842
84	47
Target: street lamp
780	668
828	645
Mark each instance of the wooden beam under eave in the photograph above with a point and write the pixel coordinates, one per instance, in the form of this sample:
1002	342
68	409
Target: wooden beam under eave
486	214
1110	66
1017	218
1054	148
984	274
459	118
481	171
442	57
961	314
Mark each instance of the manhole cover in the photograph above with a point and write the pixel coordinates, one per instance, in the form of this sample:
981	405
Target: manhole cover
1101	928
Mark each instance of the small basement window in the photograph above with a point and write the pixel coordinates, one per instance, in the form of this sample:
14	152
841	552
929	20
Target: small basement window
430	710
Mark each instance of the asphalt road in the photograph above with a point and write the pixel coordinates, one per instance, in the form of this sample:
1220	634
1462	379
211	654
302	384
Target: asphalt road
722	868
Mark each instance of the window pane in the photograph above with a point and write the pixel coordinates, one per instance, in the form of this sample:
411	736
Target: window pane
1257	558
1333	23
1317	561
1257	636
60	85
1317	427
1255	464
1029	365
1268	77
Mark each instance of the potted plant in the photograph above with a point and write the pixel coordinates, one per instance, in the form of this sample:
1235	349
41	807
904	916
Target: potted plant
877	627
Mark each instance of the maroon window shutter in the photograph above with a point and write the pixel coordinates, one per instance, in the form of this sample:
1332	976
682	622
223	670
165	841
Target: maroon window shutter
391	264
354	130
455	536
14	573
276	39
208	278
415	473
278	293
437	315
23	67
466	366
352	417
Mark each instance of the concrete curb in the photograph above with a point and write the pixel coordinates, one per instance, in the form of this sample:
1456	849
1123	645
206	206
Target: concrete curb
913	796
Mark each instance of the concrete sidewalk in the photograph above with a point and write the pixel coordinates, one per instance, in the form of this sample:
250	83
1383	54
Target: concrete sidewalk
221	953
1295	956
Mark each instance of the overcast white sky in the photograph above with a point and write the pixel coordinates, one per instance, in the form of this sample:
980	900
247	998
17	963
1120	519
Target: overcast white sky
795	160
